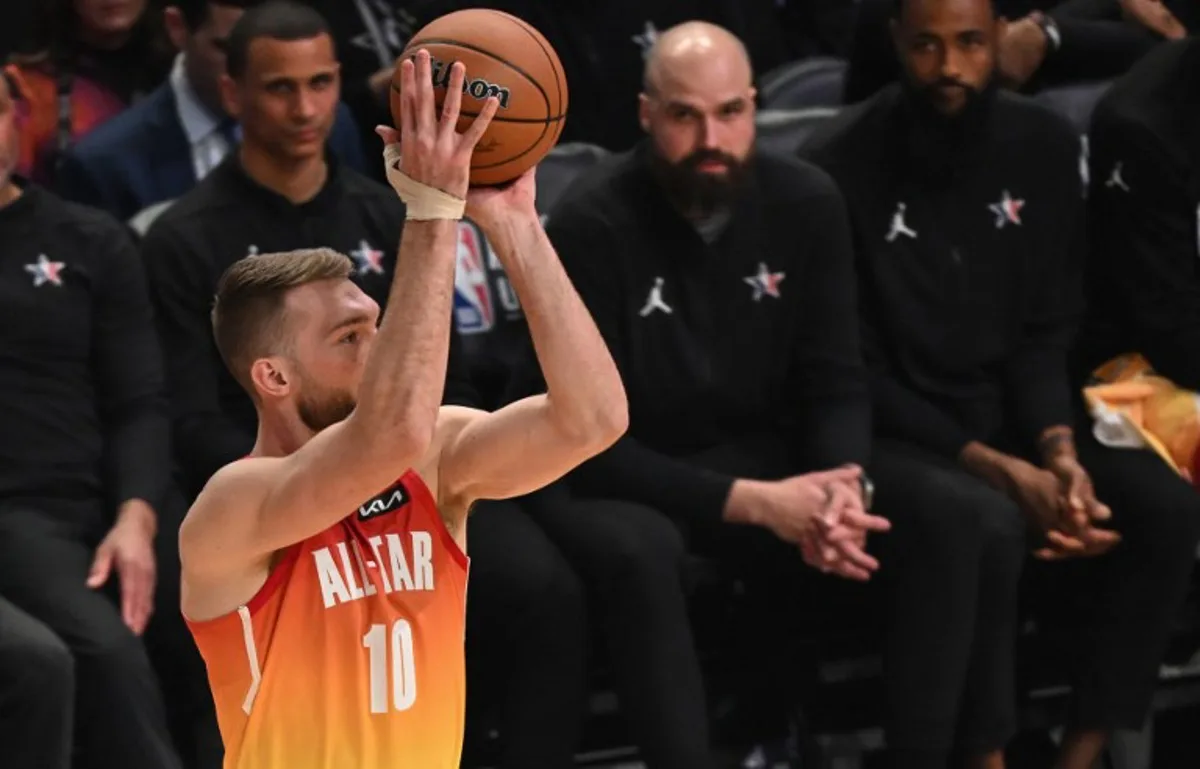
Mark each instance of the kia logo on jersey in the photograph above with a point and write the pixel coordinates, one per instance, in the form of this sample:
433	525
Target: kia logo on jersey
392	499
474	310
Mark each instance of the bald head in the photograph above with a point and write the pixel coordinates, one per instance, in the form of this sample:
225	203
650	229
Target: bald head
697	105
685	54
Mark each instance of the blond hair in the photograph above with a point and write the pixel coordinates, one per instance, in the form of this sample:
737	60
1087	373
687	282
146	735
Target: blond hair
247	315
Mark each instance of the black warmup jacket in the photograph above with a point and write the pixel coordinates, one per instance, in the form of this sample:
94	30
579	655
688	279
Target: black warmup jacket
225	218
968	266
81	409
754	337
1143	276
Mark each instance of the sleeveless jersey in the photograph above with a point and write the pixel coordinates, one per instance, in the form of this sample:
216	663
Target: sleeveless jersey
351	654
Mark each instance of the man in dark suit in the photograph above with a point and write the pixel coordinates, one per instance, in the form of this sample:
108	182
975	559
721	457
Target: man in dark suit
159	148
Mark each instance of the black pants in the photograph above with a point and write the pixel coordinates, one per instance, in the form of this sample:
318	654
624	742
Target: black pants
950	569
46	550
1117	611
525	638
631	558
37	690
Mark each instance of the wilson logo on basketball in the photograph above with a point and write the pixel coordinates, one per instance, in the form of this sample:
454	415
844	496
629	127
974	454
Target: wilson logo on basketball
477	88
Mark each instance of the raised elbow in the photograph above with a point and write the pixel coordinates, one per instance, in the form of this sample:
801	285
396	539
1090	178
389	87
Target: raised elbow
600	427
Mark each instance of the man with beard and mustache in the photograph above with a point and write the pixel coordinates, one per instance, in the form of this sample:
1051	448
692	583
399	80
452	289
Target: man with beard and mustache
283	191
967	210
84	474
721	279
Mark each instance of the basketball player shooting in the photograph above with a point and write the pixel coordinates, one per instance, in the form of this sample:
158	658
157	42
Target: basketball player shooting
324	575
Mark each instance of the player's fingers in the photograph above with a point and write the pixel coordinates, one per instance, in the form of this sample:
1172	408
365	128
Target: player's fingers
1098	511
850	571
408	106
423	94
101	567
866	522
846	473
481	122
452	104
857	557
1063	542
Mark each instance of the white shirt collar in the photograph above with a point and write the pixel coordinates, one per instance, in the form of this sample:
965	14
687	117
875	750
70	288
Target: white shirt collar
197	120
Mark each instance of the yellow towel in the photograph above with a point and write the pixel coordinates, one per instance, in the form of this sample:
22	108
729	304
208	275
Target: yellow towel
1135	408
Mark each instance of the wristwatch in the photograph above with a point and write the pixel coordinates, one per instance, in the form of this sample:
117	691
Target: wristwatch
1050	29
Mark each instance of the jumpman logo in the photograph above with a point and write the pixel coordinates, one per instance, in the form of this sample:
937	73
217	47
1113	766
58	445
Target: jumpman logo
899	227
1116	180
655	300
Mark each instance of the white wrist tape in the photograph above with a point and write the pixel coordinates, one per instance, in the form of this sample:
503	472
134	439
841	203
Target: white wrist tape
424	203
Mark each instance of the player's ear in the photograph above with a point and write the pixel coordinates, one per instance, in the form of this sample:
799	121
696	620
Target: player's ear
644	111
271	377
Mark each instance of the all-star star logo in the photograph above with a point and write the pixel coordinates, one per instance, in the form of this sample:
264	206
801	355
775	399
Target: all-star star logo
367	259
1007	210
764	282
45	271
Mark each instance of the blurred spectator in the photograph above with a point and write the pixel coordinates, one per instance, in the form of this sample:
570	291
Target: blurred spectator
722	281
1044	43
159	148
370	35
282	191
84	455
967	207
1144	213
86	61
37	693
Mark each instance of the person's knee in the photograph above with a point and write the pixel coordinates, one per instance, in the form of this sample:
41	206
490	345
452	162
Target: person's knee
44	667
1167	525
642	547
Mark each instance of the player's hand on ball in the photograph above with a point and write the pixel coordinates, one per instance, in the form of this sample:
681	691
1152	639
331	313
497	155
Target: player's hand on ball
490	207
430	149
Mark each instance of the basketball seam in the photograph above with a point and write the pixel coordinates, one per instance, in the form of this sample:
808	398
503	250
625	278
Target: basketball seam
529	30
490	55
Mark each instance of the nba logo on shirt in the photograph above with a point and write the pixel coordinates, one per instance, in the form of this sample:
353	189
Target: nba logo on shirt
474	312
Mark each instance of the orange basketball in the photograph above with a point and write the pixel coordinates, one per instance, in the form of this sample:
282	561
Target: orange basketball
506	58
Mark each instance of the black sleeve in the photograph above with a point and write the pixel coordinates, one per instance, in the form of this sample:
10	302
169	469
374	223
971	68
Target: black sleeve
1036	375
1144	232
1094	47
830	420
629	469
129	376
182	285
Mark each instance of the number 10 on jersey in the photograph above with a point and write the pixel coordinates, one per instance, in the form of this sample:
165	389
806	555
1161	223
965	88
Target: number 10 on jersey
401	672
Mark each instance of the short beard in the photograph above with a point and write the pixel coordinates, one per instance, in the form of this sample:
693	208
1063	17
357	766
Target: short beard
699	195
325	410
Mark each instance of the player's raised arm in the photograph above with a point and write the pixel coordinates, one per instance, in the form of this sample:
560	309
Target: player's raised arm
321	339
533	441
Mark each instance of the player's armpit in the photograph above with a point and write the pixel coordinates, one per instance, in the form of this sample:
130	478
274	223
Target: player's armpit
512	451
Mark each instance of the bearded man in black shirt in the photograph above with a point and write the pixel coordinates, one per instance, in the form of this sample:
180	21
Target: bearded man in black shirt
84	468
968	216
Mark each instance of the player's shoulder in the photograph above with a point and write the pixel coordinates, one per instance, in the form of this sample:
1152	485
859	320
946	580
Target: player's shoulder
235	488
64	216
1024	122
793	180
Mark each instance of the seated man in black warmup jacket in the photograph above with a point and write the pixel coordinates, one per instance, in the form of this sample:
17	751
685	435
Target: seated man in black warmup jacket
722	282
1143	296
967	209
84	467
283	191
